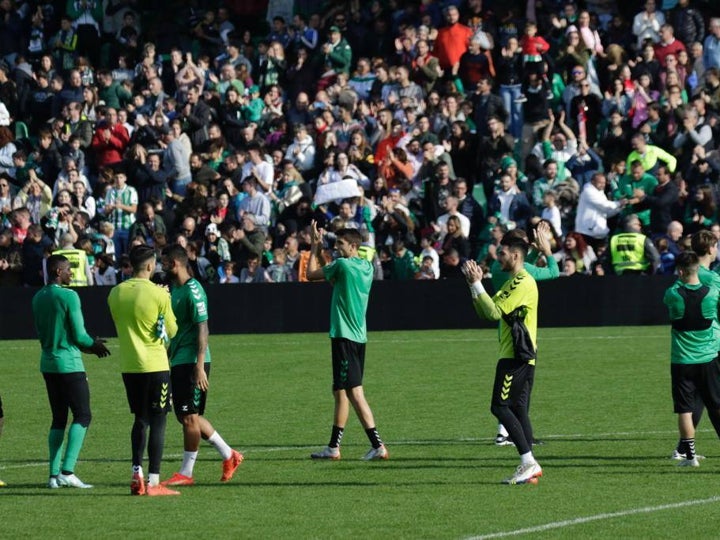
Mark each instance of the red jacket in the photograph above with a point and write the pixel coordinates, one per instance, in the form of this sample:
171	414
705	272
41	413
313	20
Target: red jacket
452	41
111	151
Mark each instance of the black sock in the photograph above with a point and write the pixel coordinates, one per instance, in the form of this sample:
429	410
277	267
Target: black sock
156	442
688	448
67	473
374	437
138	440
336	437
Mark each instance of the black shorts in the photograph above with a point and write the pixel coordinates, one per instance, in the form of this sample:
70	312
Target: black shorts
148	393
68	391
690	381
513	383
348	363
187	397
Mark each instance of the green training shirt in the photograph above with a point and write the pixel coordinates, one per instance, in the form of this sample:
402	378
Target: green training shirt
693	313
189	303
351	279
59	324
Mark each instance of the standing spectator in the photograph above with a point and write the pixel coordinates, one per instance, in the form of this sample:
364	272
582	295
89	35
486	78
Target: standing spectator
198	115
337	51
711	46
144	320
110	140
668	45
510	204
120	206
661	201
11	262
452	41
351	277
647	23
176	159
59	323
688	23
631	252
593	211
510	77
486	105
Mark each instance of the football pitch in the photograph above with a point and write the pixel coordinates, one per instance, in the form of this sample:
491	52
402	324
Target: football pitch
601	405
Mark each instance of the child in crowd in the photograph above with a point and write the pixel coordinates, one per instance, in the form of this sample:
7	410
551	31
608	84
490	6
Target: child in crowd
229	273
279	271
428	250
72	151
551	212
426	269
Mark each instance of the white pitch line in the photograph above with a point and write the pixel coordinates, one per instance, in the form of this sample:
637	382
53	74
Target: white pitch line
597	517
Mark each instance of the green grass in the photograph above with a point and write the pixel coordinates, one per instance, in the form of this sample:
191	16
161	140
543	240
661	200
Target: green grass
601	403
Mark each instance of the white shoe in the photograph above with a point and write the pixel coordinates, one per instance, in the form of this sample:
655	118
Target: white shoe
327	453
71	480
524	474
377	453
677	456
53	483
503	440
689	462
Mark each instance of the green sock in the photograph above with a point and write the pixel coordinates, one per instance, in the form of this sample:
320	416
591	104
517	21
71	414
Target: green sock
55	442
76	436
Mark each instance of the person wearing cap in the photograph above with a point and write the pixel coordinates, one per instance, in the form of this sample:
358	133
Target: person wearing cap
215	249
338	55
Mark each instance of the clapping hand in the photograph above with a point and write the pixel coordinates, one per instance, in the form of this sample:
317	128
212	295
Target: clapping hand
542	238
316	234
472	271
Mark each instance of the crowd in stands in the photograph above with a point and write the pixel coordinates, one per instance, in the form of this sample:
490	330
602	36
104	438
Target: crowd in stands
432	126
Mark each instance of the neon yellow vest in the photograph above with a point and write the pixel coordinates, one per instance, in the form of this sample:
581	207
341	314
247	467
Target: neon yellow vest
78	266
628	252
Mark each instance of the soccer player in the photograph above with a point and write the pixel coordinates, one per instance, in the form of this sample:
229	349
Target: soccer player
190	369
695	373
538	273
2	423
60	327
351	277
515	305
705	245
144	320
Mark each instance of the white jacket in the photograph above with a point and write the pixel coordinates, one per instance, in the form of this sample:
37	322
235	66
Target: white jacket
593	210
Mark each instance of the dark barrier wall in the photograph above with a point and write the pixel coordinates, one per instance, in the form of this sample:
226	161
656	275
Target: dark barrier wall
394	305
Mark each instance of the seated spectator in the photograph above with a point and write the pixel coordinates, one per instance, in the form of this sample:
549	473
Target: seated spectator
253	272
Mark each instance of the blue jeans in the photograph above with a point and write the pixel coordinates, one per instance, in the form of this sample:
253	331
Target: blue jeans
121	239
509	93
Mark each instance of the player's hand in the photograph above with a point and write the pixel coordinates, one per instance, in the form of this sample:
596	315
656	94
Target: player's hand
315	233
99	349
542	238
201	380
472	271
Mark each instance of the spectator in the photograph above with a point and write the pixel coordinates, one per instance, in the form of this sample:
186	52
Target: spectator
510	204
452	41
593	211
711	46
631	252
11	262
120	208
647	24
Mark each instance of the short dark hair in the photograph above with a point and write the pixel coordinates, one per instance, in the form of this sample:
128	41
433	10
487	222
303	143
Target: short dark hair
351	236
687	260
515	242
139	255
175	252
53	264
